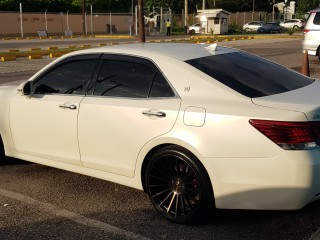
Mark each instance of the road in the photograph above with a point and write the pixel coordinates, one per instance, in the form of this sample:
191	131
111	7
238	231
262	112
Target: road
39	202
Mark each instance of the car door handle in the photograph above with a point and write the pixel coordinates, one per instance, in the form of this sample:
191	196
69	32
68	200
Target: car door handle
156	114
71	106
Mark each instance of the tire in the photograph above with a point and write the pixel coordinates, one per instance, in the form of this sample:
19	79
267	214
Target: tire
178	185
192	32
2	155
295	27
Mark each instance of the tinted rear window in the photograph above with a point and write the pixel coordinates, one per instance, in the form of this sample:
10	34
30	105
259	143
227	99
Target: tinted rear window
316	19
250	75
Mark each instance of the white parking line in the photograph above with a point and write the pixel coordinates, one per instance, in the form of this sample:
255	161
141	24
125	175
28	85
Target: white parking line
316	235
60	212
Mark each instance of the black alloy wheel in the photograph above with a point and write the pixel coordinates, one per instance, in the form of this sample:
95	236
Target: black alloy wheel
177	185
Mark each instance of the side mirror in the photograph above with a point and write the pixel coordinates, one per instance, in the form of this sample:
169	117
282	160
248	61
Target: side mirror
25	88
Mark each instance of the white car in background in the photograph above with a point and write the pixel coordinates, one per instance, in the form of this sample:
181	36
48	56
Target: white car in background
311	34
293	23
252	26
194	126
195	28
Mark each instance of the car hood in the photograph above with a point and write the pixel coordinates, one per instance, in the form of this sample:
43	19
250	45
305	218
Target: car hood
305	100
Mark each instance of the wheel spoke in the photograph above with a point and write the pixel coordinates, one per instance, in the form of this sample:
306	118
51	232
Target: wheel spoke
192	198
173	196
159	193
182	205
159	185
165	198
187	201
184	169
161	172
165	168
188	175
177	205
156	177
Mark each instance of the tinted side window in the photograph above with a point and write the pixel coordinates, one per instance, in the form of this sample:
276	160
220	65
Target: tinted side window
160	87
68	78
120	78
316	19
250	75
124	79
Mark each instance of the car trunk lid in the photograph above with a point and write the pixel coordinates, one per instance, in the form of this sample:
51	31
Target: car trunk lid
305	100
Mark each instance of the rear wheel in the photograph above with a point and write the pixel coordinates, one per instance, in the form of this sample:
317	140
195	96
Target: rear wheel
178	185
2	155
192	32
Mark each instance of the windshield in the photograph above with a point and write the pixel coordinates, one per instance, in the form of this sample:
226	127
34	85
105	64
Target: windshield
250	75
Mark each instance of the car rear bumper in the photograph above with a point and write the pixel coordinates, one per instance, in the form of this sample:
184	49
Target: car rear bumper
310	46
284	182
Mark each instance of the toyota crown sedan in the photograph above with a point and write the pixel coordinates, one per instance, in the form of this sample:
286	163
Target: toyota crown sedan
196	127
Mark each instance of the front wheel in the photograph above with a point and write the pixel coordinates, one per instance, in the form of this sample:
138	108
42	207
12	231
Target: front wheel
2	155
178	185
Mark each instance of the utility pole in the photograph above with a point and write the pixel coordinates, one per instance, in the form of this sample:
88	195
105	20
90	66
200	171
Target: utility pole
186	16
83	17
273	11
141	22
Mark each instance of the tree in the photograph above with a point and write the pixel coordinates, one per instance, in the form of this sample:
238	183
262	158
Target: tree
65	5
306	5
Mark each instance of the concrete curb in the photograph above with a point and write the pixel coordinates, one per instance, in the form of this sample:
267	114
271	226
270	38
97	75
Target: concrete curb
197	39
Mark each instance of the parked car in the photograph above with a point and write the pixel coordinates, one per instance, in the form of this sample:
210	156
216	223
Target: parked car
293	23
194	126
270	27
311	36
195	28
252	26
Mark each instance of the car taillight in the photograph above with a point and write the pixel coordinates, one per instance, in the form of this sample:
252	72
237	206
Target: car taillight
306	30
290	135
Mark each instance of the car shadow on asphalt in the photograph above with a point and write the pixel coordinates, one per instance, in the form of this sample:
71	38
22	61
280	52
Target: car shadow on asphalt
13	161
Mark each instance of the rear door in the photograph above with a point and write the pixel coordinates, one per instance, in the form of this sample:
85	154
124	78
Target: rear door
131	103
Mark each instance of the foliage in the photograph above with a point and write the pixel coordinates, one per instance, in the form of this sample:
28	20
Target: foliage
125	5
66	5
307	5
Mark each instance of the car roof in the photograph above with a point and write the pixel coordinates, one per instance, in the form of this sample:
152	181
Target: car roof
182	51
314	10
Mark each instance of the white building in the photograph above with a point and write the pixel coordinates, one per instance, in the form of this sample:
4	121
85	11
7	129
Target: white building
214	21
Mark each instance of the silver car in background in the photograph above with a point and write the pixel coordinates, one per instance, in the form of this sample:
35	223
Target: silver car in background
311	36
252	26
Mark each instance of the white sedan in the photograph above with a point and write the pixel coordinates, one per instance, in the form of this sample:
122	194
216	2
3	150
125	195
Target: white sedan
194	126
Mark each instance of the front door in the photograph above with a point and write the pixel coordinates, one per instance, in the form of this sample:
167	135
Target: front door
45	124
